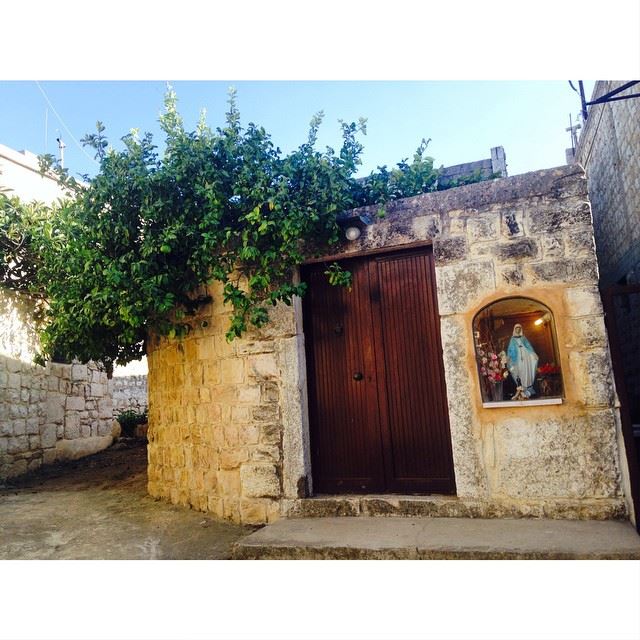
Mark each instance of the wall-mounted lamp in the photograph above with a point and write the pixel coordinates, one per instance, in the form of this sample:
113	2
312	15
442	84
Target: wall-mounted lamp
353	226
352	233
543	319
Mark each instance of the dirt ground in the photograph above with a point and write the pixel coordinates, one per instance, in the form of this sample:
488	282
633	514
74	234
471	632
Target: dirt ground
98	508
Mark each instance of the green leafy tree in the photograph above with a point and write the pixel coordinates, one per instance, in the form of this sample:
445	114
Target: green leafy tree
21	227
404	180
126	253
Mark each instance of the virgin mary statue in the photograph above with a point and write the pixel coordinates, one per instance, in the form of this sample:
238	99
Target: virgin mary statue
522	361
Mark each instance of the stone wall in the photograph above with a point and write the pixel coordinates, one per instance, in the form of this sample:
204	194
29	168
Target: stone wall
128	393
228	422
51	413
496	164
222	415
609	150
47	413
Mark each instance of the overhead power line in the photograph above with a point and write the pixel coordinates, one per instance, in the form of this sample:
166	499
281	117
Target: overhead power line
62	122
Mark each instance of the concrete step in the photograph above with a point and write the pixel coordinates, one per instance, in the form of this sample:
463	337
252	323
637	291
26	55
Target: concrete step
399	538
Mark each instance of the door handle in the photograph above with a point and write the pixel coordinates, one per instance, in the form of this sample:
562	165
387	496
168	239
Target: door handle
358	376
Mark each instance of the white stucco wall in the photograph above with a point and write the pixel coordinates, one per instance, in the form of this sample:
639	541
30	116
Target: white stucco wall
20	174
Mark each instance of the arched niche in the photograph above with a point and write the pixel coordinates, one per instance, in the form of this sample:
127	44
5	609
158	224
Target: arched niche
517	354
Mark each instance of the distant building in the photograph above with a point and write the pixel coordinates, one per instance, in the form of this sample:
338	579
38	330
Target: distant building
20	174
495	166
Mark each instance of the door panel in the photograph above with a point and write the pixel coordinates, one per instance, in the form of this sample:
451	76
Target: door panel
343	410
417	440
389	430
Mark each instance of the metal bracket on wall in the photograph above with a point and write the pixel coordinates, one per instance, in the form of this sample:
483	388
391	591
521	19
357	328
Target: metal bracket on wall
607	97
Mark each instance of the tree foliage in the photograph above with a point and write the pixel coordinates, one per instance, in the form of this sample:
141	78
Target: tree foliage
127	250
21	225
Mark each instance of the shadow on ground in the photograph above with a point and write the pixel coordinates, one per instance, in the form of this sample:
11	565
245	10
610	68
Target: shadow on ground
98	508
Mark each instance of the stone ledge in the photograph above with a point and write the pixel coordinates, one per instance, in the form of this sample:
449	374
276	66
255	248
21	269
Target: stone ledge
453	507
559	182
521	403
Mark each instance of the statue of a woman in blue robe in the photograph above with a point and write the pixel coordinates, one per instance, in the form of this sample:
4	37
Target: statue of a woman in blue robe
522	362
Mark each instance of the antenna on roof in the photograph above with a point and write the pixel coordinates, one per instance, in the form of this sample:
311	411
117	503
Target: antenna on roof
61	148
573	130
570	154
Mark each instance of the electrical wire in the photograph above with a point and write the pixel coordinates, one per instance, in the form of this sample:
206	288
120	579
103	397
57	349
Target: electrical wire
62	122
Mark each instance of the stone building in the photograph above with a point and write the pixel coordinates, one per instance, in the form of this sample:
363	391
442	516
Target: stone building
20	175
377	400
609	151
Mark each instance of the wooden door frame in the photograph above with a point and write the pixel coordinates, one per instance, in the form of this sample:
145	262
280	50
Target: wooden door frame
364	253
303	363
296	455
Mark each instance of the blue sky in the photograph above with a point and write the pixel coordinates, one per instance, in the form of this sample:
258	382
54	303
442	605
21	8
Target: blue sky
464	119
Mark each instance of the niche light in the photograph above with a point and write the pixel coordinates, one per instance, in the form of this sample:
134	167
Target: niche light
542	320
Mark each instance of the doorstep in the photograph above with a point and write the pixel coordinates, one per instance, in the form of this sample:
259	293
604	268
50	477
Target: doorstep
398	538
439	506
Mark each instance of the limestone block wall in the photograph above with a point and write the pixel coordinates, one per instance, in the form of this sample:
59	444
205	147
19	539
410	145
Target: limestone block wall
229	424
128	393
529	235
222	416
609	150
50	413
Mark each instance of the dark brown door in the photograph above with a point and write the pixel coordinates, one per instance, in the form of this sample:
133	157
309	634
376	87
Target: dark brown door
377	402
622	317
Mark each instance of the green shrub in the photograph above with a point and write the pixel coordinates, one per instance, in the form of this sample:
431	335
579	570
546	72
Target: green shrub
130	419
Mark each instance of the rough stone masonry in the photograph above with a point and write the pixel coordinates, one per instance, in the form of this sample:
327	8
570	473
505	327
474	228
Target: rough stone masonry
50	413
608	150
57	412
229	424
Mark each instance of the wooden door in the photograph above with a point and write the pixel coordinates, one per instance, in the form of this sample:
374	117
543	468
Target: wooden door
622	318
377	401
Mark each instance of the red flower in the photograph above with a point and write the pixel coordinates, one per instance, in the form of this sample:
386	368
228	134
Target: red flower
548	369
